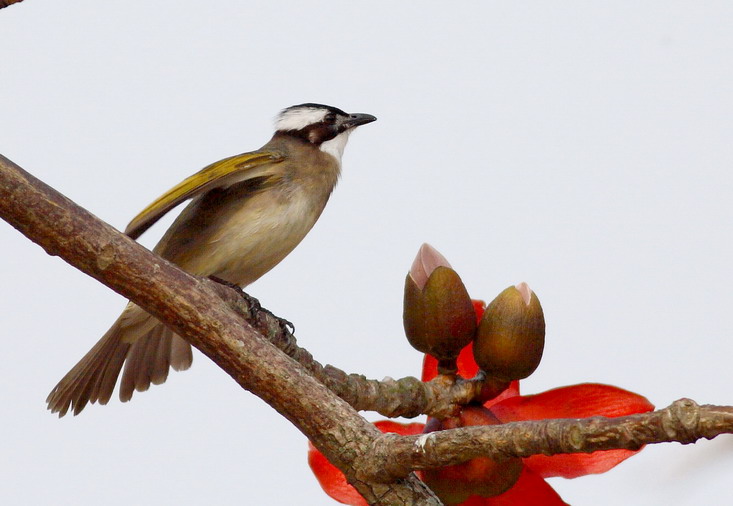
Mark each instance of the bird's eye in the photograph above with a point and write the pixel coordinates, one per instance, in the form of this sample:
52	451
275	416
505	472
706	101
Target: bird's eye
330	118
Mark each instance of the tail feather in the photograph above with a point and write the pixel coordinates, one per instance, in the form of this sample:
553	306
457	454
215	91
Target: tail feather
162	360
78	387
140	361
133	363
107	377
136	340
181	354
87	390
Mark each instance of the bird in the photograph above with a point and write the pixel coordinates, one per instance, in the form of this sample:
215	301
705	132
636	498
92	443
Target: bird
247	213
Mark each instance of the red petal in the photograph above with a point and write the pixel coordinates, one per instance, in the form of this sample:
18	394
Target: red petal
574	465
429	368
578	401
512	391
479	306
404	429
466	365
333	481
530	490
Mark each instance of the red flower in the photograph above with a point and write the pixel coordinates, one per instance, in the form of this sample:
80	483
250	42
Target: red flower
577	401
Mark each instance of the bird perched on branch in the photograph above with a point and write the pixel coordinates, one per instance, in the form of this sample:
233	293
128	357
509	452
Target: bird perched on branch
248	212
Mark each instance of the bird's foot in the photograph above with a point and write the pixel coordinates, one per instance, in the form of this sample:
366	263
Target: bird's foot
286	325
224	282
253	302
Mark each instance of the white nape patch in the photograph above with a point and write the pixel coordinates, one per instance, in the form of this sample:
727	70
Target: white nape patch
335	147
300	117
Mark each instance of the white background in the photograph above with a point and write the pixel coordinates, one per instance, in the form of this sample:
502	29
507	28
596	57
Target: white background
583	148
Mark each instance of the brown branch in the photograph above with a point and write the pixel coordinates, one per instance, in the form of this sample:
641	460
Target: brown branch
194	309
683	422
5	3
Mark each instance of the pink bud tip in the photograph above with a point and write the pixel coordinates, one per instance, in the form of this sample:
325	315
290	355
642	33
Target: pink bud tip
427	260
525	291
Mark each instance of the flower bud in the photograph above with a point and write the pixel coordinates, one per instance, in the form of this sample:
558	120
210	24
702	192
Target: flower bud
481	476
511	335
438	314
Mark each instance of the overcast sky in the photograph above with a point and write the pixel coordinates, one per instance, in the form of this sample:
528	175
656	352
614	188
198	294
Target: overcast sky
585	149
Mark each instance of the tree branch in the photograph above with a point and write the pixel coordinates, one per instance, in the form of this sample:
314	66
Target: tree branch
683	421
193	308
5	3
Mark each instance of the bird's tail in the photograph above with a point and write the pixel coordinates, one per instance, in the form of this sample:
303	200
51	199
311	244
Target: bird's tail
138	340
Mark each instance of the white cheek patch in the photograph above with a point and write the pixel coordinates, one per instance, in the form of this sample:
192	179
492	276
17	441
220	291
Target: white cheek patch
335	147
295	119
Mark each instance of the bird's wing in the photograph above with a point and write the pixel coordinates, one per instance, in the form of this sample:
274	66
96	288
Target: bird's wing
222	173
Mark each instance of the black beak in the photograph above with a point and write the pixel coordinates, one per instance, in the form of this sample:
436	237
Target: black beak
357	119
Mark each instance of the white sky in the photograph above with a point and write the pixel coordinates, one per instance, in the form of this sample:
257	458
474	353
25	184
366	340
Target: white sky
585	149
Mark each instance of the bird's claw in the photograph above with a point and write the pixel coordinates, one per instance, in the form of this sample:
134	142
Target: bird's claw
251	301
286	325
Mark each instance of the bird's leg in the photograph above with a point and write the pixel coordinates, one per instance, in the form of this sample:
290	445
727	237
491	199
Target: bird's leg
255	304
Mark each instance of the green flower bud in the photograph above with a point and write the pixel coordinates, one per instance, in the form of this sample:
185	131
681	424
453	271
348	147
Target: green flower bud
438	314
511	335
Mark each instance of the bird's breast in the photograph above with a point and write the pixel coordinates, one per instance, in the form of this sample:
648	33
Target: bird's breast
245	238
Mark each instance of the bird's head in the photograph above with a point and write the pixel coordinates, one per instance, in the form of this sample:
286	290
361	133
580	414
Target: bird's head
324	126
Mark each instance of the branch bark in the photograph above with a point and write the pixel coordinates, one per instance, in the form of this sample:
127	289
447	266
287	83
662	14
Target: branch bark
193	308
683	421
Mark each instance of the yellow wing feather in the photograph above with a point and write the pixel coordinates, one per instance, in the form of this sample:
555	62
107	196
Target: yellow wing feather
222	173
